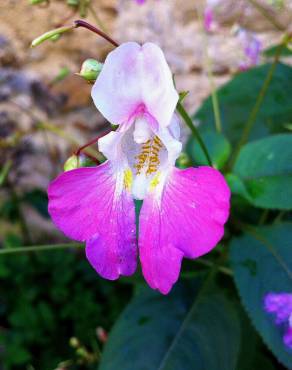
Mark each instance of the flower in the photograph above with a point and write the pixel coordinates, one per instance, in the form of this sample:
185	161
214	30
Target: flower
281	305
183	211
251	47
210	21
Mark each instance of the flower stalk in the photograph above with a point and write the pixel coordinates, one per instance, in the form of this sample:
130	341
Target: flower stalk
188	121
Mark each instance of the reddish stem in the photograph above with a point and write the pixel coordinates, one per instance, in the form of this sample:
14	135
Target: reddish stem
90	27
91	142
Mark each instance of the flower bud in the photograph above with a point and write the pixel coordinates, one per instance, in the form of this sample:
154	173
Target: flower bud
50	35
76	161
73	2
35	2
74	342
101	334
90	69
72	163
183	160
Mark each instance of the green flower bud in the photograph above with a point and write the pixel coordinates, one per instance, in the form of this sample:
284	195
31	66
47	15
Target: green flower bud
90	69
74	342
50	35
35	2
72	163
73	2
183	160
76	161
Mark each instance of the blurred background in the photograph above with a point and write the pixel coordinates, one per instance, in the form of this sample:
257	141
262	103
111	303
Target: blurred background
55	312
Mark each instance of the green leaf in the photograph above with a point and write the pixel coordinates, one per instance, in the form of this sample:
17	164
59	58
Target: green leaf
238	97
262	262
188	329
265	167
271	51
218	147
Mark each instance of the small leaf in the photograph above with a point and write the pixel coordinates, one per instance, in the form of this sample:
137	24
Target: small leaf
218	147
265	168
262	262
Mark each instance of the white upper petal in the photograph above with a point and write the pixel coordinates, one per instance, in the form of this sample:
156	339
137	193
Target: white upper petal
135	77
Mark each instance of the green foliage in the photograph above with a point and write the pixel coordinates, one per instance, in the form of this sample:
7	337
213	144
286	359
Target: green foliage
52	303
271	51
262	260
238	97
48	298
218	147
191	328
265	170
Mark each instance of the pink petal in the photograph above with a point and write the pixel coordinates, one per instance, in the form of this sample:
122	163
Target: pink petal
83	204
135	79
186	221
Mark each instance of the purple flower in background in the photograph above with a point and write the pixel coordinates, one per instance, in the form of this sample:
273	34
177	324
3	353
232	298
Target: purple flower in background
252	48
280	304
183	211
210	23
208	19
140	2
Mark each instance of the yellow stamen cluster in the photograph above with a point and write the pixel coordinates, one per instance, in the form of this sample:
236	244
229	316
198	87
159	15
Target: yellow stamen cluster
149	156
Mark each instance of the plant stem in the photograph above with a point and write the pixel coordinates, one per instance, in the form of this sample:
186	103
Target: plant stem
265	12
253	114
263	217
96	18
279	217
215	101
214	96
90	27
207	263
38	248
181	110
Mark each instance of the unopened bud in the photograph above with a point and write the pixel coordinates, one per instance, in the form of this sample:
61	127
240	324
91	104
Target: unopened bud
76	161
101	334
90	69
74	342
73	2
183	160
50	35
35	2
72	163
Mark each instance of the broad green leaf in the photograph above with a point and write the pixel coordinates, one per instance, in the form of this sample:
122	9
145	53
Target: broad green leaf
218	147
265	167
272	51
262	263
190	328
237	98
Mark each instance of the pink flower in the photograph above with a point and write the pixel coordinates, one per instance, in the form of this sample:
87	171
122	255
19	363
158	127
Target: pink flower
210	21
183	211
281	305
